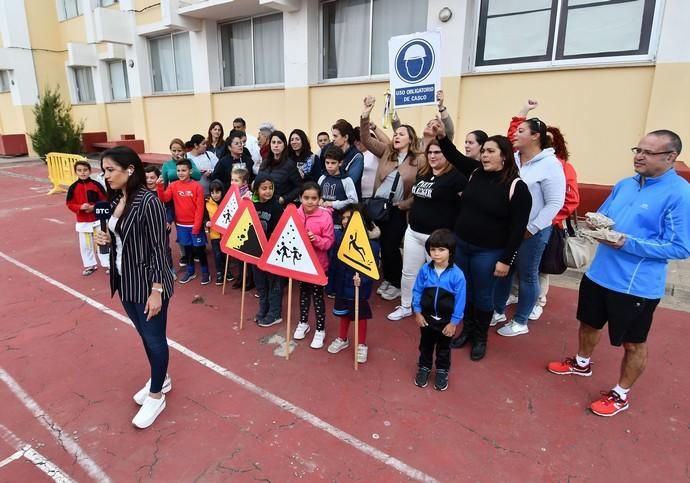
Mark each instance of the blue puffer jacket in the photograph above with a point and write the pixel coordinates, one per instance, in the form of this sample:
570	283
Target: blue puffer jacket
342	274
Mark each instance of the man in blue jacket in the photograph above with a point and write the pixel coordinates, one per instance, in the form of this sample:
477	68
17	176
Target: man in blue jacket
627	278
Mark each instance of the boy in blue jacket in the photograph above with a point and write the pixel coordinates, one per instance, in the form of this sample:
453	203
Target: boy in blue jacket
438	302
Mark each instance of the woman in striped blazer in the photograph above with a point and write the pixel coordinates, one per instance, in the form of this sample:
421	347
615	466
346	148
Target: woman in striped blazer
141	272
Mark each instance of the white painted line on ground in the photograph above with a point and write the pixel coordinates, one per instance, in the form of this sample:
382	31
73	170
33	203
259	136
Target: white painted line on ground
26	451
11	458
71	446
53	220
302	414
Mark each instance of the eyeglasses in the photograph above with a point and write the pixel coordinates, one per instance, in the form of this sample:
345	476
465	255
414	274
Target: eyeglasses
434	152
645	152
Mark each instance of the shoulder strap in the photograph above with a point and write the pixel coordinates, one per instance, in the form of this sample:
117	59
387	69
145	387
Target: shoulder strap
395	185
472	174
512	188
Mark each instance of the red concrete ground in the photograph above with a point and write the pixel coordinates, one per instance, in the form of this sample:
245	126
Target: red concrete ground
503	419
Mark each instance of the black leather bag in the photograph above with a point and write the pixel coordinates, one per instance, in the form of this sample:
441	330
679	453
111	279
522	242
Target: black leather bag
553	261
379	209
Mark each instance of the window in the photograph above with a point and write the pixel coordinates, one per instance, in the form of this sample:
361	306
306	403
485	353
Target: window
4	81
520	31
69	8
119	86
252	51
83	81
171	63
355	34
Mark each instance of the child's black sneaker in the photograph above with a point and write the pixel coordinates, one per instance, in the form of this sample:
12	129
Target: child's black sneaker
422	377
269	321
187	277
219	278
205	278
441	383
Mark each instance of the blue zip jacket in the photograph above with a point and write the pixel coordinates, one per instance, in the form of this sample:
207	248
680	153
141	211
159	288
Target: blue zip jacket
655	219
440	299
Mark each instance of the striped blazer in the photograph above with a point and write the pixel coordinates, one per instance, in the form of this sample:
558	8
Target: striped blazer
144	249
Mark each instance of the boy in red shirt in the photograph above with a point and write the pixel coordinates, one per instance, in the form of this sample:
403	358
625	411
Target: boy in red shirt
82	195
188	197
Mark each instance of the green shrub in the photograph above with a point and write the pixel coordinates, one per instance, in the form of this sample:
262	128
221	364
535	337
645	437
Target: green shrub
55	131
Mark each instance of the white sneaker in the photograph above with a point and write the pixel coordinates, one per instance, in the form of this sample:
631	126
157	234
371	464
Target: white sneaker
141	395
536	312
400	312
497	318
317	341
148	412
512	328
512	299
301	331
337	345
391	293
362	352
383	287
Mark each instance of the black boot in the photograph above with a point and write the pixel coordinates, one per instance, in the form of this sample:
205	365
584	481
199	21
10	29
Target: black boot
467	332
481	333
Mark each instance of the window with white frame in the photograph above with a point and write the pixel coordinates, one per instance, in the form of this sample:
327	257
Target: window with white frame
171	63
119	86
523	31
83	84
252	51
4	81
68	9
355	33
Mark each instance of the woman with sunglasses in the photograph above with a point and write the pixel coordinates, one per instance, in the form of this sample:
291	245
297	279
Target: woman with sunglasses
572	199
436	195
544	176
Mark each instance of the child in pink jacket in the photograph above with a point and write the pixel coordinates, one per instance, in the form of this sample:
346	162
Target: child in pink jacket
318	223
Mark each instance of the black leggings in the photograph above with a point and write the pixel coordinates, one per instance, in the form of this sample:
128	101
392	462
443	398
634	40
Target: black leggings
392	234
196	252
307	291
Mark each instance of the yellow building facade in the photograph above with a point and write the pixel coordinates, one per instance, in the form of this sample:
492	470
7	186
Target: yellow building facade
604	72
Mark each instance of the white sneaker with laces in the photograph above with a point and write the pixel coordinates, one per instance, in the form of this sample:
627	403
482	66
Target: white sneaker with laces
149	411
497	318
317	341
142	393
391	293
301	331
512	299
337	345
400	312
512	328
536	312
362	352
383	287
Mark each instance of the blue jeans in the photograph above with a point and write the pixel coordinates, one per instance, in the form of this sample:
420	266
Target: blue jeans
152	333
527	264
270	289
478	265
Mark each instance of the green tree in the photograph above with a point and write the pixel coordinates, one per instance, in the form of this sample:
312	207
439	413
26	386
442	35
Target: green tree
56	131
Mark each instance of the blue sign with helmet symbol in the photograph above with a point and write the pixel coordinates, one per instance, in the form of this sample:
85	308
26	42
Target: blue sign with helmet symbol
414	61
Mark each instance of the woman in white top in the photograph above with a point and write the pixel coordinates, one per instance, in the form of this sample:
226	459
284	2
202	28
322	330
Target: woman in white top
204	160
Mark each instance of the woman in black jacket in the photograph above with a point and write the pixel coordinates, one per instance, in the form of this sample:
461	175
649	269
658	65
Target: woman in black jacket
140	271
235	157
284	173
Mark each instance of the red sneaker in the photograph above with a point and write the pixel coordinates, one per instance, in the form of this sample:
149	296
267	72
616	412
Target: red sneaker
610	404
569	366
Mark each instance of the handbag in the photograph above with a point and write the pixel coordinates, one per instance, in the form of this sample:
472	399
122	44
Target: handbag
579	248
553	259
379	209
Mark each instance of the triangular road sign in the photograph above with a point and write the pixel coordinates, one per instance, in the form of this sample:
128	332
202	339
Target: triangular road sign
226	210
244	239
289	252
355	250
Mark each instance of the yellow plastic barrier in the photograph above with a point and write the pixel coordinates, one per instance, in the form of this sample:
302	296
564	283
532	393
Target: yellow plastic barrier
61	170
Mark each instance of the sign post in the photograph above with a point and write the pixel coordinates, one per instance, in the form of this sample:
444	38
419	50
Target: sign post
415	68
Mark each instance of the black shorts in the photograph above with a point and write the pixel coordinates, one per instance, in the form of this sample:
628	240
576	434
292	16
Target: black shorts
629	317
